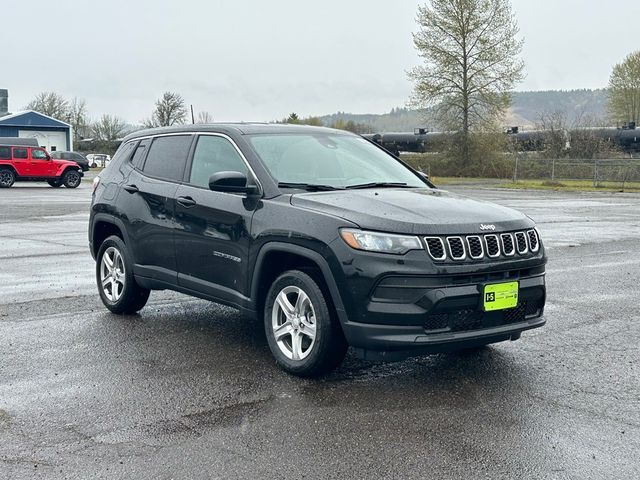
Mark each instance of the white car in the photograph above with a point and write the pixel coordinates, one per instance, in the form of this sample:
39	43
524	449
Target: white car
98	159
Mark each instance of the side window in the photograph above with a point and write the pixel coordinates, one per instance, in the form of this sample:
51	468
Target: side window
212	155
5	153
37	154
167	157
20	153
124	152
138	157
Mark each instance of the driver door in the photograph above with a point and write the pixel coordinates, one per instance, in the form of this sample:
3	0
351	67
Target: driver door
40	164
212	228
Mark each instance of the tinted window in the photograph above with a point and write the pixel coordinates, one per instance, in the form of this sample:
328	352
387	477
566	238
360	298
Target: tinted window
37	154
5	153
124	152
76	156
56	155
167	157
138	157
20	153
212	155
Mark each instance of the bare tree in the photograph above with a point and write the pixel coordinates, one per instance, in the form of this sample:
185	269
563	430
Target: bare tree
108	128
170	110
470	50
624	90
51	104
77	118
204	117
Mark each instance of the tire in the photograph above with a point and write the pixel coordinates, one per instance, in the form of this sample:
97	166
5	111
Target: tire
7	178
307	311
55	183
129	297
71	179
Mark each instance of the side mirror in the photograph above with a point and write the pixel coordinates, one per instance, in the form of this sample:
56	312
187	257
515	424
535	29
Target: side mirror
48	157
231	182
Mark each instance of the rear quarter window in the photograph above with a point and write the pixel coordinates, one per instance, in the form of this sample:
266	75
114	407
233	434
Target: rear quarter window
5	153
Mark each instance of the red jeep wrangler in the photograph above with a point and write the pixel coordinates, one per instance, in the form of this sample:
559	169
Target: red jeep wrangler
24	163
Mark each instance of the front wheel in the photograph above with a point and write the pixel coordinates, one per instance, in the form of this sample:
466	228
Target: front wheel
7	177
71	179
117	286
302	330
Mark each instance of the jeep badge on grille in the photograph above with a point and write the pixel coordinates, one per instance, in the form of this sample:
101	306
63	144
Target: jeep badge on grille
487	227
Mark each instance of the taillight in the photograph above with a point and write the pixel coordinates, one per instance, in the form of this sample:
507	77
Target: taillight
96	182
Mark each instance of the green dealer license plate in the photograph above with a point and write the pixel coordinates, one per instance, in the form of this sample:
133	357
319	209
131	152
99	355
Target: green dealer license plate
500	296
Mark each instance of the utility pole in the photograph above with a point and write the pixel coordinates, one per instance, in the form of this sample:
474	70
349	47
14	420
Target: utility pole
193	120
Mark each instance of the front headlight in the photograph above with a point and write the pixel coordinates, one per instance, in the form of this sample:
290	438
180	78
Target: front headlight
380	242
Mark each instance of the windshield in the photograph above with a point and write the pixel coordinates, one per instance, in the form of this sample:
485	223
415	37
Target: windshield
330	160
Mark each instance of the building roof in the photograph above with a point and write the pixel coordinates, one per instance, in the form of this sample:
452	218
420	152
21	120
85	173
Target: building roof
31	118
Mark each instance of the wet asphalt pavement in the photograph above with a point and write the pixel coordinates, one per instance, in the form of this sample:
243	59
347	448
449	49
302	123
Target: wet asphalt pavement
188	389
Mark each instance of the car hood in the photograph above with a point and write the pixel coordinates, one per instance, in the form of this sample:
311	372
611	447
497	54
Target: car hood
65	162
420	211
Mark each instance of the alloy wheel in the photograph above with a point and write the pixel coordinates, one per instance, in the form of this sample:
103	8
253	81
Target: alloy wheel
73	179
112	274
6	178
293	320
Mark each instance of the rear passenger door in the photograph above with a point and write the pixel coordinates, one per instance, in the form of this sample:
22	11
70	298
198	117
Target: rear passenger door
147	199
212	228
20	157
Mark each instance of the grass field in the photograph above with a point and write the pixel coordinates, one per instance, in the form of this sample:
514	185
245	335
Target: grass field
568	185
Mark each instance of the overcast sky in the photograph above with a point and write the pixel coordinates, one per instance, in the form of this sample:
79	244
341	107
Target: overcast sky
260	60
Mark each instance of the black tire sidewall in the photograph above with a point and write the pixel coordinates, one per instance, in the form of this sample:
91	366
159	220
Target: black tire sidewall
65	179
317	361
13	177
132	294
55	183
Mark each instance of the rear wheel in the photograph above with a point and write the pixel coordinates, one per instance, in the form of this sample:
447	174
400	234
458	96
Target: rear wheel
55	183
114	275
7	177
71	178
303	332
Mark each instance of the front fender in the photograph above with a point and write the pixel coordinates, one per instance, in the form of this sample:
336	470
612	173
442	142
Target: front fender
309	254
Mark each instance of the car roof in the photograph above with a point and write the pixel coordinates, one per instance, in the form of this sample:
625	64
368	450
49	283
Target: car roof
237	128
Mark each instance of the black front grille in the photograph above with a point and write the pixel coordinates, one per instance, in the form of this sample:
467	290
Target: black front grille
521	242
508	248
456	248
533	240
483	247
436	248
493	249
475	247
468	319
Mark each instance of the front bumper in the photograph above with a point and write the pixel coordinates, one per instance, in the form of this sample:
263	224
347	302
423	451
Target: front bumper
394	342
407	315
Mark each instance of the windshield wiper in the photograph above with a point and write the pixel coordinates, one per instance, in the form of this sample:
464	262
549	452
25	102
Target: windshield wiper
310	187
378	185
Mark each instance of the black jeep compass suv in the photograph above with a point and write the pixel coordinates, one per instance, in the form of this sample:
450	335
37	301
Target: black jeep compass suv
329	238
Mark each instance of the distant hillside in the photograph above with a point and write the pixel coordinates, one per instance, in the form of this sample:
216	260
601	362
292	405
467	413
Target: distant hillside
525	111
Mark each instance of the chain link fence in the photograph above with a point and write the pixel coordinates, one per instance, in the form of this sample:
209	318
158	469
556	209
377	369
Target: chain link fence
613	172
618	171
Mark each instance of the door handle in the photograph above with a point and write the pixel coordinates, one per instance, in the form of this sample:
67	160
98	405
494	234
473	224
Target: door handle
186	201
131	188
